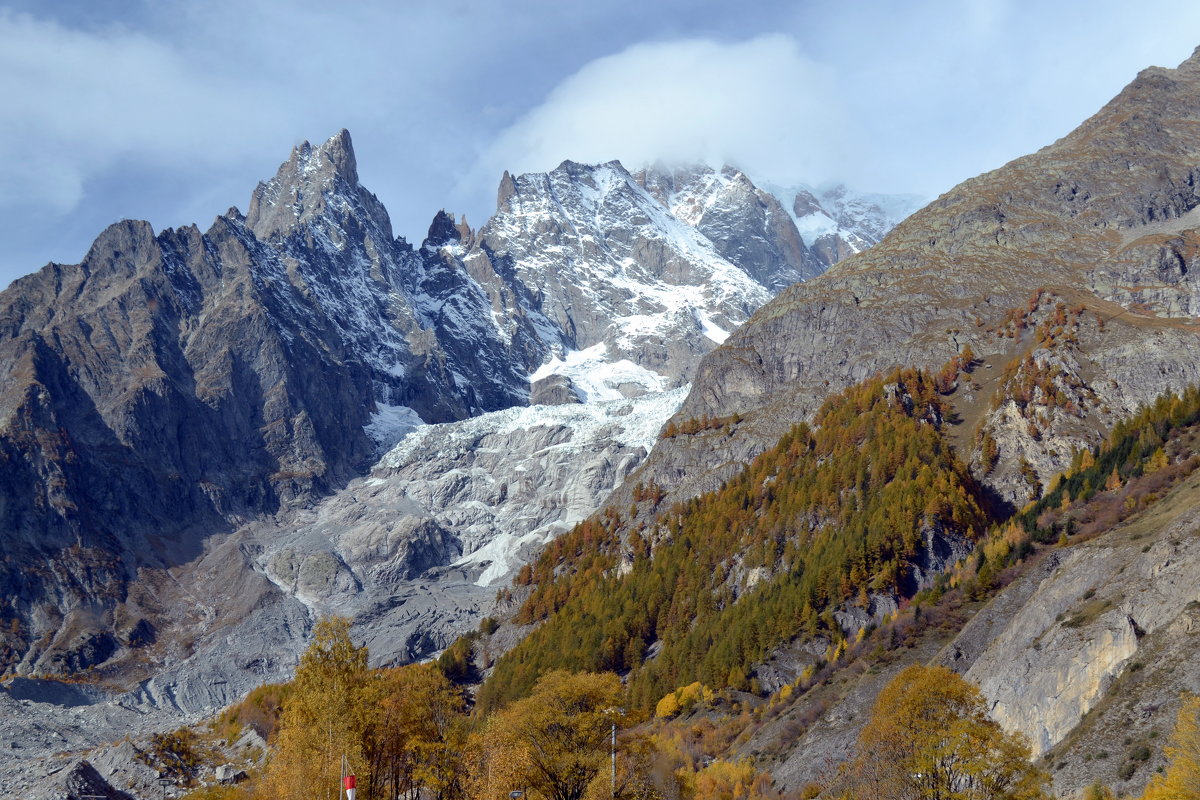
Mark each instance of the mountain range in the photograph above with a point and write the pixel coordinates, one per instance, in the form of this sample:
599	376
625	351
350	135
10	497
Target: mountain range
187	411
1068	277
208	439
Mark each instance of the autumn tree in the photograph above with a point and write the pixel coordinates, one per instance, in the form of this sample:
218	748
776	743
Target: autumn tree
929	738
325	716
1098	791
1181	781
726	780
412	743
555	742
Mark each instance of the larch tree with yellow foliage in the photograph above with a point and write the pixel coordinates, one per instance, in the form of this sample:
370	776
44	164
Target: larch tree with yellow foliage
555	743
929	738
324	718
417	730
1181	781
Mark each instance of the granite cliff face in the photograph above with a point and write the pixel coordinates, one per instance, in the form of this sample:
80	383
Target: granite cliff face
1102	219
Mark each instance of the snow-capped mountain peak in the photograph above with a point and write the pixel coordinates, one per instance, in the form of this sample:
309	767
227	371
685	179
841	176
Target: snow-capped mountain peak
616	276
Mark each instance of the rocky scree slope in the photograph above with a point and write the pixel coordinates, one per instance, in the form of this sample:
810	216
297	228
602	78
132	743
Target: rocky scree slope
1104	219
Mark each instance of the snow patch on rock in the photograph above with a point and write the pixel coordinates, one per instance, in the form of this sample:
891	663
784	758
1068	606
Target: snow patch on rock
598	379
389	424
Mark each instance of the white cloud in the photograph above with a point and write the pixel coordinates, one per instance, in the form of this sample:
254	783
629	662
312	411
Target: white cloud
78	102
759	104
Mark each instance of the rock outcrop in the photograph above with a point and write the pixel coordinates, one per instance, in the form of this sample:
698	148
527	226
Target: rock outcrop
1093	645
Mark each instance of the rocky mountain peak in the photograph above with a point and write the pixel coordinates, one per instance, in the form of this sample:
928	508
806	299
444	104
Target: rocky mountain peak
334	158
338	153
304	186
443	231
119	239
508	188
1190	67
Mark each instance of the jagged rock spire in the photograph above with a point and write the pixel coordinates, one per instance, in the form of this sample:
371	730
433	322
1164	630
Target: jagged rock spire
299	189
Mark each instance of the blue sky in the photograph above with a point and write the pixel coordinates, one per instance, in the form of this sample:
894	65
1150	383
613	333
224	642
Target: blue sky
171	111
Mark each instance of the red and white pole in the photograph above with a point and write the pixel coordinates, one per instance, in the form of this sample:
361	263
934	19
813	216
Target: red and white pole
348	783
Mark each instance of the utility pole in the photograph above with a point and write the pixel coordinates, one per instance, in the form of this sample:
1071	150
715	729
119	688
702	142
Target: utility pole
614	760
613	746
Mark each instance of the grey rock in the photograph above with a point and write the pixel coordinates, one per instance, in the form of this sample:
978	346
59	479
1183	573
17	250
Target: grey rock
747	225
83	780
1096	641
553	390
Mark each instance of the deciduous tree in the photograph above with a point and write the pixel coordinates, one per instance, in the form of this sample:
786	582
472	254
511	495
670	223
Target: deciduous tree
555	742
1181	781
416	733
325	717
929	738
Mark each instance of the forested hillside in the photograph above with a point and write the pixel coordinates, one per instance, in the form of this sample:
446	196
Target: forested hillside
838	516
842	512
